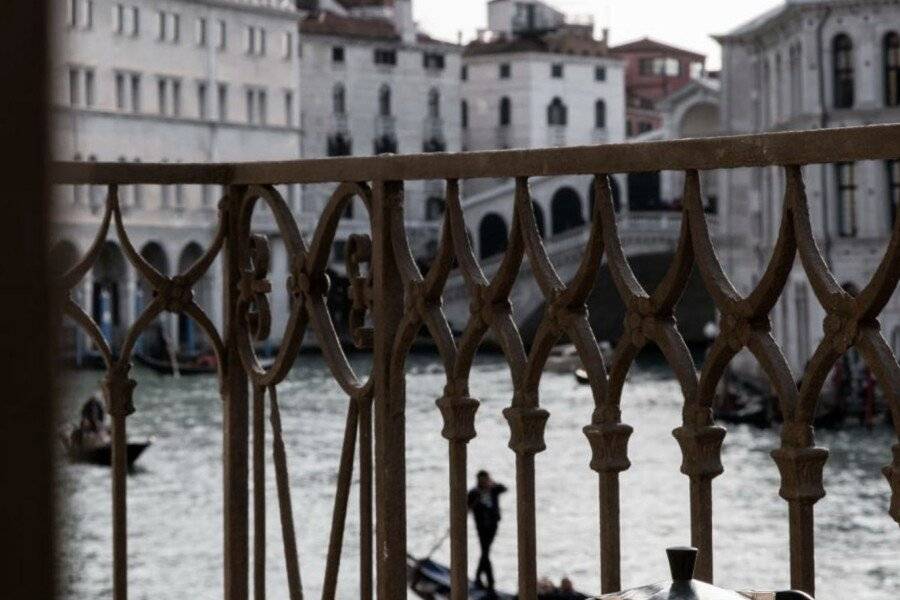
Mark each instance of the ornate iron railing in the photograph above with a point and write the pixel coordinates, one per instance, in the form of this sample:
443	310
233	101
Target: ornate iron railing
383	270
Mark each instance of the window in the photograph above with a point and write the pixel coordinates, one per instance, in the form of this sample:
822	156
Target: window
161	26
339	99
433	61
645	126
464	114
892	69
176	28
257	109
263	107
176	97
135	92
118	19
287	45
254	41
223	101
893	188
135	21
600	114
556	71
72	19
557	113
385	57
337	54
842	56
88	14
289	108
434	208
222	40
600	73
262	42
846	194
505	71
161	95
251	105
74	87
505	112
201	32
434	104
201	100
89	87
464	73
796	81
660	65
384	101
120	91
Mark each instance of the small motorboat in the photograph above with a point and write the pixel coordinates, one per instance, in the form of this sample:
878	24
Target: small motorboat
581	376
102	455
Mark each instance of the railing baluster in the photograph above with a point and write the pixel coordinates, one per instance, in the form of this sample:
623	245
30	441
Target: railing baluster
389	400
259	492
366	587
117	391
235	422
341	498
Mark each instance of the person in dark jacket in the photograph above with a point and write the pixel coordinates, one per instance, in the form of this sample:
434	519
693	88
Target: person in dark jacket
484	502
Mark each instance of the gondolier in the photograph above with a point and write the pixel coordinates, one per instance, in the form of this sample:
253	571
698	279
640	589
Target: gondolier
484	502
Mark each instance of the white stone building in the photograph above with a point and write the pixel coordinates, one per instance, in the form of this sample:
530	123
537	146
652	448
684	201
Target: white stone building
171	81
380	86
534	79
810	64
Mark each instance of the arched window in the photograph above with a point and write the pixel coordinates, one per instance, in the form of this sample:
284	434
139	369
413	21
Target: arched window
434	103
842	56
339	99
892	69
464	114
565	209
846	195
505	111
557	113
539	219
492	235
384	101
434	208
600	114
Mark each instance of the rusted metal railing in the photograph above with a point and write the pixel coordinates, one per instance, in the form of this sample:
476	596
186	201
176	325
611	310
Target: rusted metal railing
383	270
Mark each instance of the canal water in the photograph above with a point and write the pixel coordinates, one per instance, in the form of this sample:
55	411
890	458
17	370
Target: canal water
175	499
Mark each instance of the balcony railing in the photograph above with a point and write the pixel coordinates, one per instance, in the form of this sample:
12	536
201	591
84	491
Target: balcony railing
397	299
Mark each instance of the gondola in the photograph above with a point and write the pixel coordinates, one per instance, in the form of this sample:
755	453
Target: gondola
163	366
431	581
102	455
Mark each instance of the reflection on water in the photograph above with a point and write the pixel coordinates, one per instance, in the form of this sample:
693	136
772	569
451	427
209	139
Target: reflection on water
175	499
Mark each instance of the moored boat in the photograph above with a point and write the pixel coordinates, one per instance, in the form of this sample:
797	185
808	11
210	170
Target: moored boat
102	455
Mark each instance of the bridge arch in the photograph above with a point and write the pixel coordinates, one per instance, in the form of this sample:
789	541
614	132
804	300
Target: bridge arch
493	235
108	294
566	210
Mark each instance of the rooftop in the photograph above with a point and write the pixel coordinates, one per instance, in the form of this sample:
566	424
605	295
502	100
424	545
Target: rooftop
649	45
557	42
329	23
754	25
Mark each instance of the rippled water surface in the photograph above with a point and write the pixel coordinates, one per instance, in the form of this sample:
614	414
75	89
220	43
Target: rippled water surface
175	497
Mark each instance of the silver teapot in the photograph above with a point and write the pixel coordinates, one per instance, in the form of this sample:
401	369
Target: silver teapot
683	586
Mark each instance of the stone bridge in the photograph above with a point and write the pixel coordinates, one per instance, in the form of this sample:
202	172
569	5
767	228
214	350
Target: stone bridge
562	208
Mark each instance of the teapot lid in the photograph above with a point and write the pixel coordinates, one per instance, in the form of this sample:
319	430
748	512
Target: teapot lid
683	586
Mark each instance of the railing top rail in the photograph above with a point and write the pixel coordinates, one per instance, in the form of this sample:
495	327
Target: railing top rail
873	142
